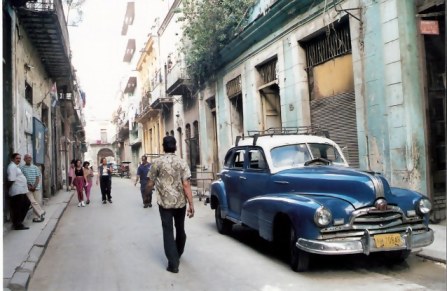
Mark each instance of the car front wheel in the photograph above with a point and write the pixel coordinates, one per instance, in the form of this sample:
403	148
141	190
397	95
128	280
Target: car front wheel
299	259
223	225
397	257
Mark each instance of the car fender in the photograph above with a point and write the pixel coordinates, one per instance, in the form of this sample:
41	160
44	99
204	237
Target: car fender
260	212
218	196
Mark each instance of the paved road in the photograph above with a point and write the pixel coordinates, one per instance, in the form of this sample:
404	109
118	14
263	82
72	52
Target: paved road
119	247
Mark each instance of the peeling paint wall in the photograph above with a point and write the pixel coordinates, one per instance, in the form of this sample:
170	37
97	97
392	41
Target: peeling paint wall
386	80
394	117
333	77
28	69
208	143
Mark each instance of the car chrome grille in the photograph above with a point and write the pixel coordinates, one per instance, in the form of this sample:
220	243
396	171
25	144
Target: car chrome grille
375	221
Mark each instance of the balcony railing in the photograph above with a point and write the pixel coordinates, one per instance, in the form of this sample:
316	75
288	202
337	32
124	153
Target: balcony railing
157	91
161	102
177	80
45	24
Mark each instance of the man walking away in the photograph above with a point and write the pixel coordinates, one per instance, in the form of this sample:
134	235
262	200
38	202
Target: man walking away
171	176
105	181
142	172
17	191
32	174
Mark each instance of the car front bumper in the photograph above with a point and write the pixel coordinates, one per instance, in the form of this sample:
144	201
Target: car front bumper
366	244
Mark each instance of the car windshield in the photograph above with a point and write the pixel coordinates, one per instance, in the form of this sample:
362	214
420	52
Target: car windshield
290	155
325	151
297	154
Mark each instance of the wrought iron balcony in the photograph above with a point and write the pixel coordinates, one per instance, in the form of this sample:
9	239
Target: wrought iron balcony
45	24
178	81
67	104
146	111
162	102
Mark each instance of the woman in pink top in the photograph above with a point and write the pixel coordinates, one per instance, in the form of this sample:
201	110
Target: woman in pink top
79	182
89	173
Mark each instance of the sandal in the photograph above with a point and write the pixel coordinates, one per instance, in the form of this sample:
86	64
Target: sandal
38	219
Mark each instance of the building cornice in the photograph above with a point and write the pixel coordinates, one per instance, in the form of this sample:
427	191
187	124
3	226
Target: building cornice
168	17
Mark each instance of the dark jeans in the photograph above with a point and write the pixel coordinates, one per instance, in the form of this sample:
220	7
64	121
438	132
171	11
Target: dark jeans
19	208
106	187
146	195
173	247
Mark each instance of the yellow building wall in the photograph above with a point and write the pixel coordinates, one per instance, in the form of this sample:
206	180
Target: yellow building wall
333	77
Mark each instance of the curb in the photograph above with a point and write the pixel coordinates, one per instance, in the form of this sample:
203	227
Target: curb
21	277
432	258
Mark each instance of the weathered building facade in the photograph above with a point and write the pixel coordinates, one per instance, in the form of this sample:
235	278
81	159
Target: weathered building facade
178	103
357	69
148	117
367	74
129	133
42	107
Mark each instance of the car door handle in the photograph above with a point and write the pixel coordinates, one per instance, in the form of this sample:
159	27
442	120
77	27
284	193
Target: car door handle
281	182
226	175
242	178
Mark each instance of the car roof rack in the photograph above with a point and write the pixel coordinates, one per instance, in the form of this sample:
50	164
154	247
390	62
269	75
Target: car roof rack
298	130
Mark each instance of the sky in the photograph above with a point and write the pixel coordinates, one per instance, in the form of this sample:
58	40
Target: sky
98	49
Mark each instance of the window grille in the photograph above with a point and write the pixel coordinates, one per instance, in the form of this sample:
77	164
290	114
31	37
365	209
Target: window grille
326	46
268	71
234	87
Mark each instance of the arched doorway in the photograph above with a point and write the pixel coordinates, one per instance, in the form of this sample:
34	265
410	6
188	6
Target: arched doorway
105	153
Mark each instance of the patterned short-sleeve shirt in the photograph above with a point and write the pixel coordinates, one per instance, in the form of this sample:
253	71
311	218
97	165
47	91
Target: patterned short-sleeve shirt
168	172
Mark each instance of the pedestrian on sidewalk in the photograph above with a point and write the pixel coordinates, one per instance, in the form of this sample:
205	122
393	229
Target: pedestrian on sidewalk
18	188
32	174
71	175
89	173
142	172
105	180
79	181
171	176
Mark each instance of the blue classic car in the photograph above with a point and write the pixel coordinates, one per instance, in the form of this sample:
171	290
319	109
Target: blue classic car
298	191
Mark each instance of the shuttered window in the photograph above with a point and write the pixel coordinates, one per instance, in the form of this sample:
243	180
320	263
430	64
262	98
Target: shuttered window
337	115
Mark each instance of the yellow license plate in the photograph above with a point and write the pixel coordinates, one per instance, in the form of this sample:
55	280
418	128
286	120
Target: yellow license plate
388	240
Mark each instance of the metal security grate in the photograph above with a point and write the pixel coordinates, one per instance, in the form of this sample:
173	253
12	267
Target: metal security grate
334	43
268	71
234	87
337	114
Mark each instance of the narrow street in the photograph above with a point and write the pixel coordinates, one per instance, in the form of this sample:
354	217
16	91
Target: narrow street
119	247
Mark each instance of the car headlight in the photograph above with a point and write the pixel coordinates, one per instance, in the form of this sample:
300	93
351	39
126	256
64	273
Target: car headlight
424	206
323	216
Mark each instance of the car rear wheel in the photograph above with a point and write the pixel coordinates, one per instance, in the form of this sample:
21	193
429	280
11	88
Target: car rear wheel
299	259
223	225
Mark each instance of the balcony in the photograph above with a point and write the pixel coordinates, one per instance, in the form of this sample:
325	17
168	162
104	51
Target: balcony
67	104
123	129
130	50
129	17
131	85
160	103
178	81
146	111
44	22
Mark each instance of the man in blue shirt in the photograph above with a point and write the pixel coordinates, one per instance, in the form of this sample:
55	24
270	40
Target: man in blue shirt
32	174
142	171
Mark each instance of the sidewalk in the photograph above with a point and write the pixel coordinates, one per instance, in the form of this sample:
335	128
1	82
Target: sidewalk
437	250
23	249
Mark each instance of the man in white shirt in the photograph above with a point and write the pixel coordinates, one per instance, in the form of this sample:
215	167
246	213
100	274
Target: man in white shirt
18	188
